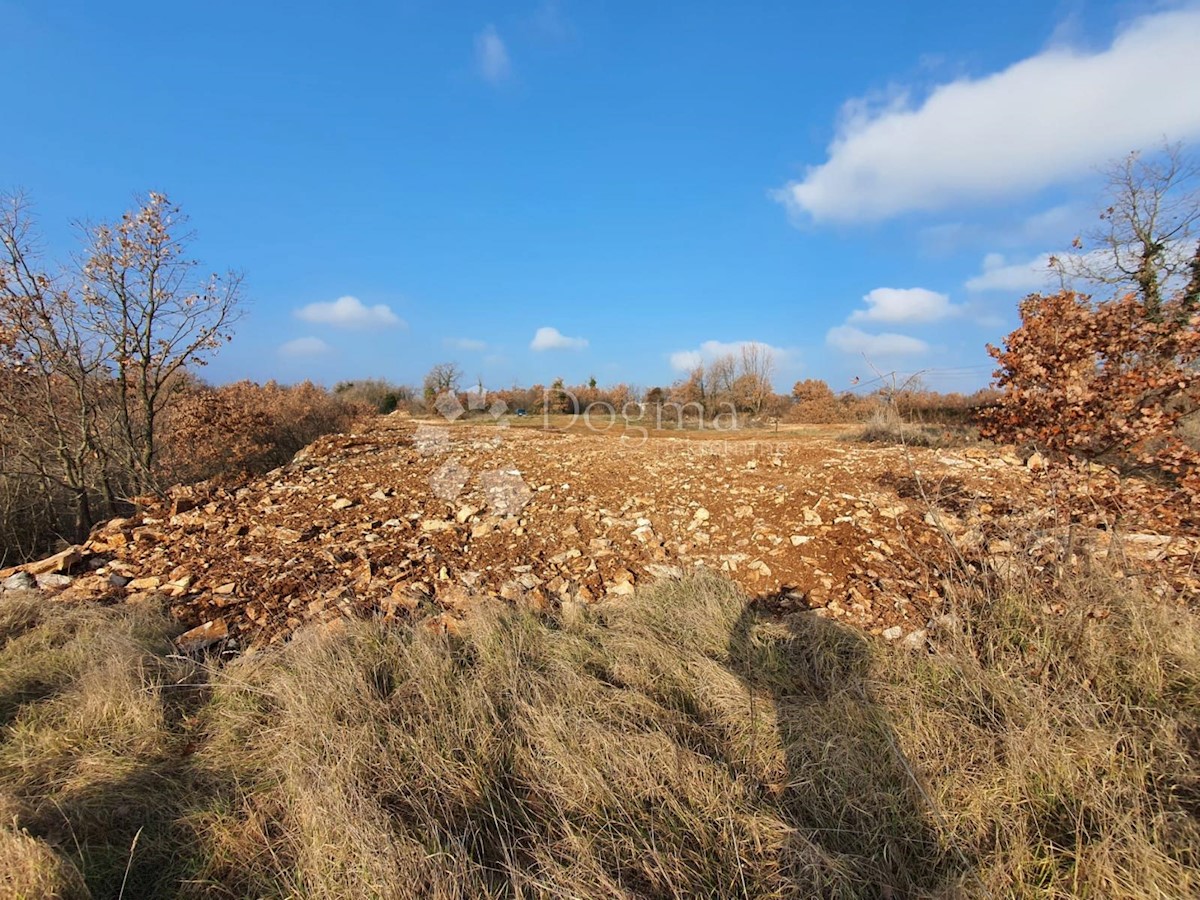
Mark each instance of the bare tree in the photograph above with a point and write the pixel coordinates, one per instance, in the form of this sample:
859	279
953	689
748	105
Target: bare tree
1145	241
754	380
442	377
52	371
722	373
147	299
89	358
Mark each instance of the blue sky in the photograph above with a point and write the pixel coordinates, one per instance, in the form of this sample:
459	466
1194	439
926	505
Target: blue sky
541	189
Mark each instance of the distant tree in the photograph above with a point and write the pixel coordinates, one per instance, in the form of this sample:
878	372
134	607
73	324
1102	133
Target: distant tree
752	387
441	378
693	390
722	373
383	396
560	399
620	395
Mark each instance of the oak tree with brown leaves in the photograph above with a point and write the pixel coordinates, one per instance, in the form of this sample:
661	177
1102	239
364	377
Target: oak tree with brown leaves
1114	379
1104	380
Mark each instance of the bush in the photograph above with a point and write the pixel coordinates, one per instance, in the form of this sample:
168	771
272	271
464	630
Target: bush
246	428
1109	381
377	394
228	432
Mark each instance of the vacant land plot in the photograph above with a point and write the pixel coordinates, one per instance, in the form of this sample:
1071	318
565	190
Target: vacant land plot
405	517
544	663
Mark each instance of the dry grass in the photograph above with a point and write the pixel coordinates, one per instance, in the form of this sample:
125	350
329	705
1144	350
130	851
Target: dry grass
887	426
676	744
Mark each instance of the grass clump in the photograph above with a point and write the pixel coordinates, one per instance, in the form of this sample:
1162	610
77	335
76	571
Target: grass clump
887	426
675	744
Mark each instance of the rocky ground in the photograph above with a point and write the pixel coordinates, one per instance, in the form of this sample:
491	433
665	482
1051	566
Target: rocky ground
403	519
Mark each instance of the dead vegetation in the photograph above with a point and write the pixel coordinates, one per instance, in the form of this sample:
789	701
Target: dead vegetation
888	425
676	743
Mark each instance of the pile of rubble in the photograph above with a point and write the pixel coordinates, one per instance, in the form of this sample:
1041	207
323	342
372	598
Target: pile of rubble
403	519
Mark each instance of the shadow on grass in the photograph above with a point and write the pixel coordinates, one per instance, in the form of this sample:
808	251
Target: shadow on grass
848	788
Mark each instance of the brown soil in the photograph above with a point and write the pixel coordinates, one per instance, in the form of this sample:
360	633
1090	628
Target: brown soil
370	523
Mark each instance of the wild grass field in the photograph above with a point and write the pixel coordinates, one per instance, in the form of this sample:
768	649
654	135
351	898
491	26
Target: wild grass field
678	743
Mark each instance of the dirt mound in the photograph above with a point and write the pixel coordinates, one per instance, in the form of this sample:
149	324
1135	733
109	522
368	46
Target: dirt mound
404	518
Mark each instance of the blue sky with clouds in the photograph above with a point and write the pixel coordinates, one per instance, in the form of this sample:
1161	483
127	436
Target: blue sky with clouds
566	188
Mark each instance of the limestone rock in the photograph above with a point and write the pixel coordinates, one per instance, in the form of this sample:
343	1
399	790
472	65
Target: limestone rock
52	580
19	581
203	636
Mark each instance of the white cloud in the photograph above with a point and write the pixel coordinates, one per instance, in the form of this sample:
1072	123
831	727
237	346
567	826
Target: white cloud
905	305
468	344
349	312
849	339
1001	275
686	360
552	339
305	346
1042	120
491	56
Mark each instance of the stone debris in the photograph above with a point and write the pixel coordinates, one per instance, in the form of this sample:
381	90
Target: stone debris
19	581
51	580
202	636
404	520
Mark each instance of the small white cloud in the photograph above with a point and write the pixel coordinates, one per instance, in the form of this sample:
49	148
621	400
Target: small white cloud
350	312
491	56
552	339
305	346
905	305
1044	119
686	360
849	339
468	344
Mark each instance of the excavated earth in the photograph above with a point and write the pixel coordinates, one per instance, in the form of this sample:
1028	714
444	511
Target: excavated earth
406	519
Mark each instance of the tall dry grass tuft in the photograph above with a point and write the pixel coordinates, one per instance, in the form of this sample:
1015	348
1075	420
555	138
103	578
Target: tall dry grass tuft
678	743
91	706
662	747
887	424
1061	716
